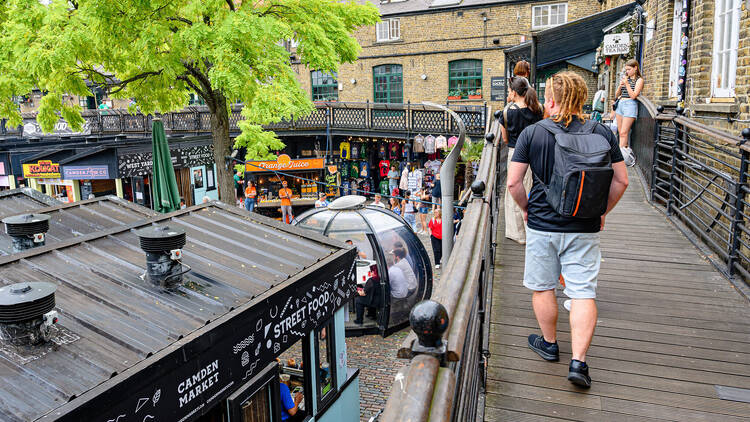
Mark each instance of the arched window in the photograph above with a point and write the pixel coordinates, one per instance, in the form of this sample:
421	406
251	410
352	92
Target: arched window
465	78
388	83
325	87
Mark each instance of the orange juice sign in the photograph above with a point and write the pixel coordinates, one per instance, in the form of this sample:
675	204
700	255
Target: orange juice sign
285	163
44	169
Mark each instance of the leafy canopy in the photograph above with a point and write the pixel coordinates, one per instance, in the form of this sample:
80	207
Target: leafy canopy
159	51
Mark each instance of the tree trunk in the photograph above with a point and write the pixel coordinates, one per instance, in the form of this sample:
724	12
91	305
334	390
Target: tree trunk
468	175
222	148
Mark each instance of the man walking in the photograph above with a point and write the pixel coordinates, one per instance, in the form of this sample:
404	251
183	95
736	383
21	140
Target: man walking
560	240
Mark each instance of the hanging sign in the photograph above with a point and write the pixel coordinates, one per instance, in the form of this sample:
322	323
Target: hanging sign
497	88
615	44
42	169
285	163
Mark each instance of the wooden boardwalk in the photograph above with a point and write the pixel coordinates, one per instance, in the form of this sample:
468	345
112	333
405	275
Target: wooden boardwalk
672	333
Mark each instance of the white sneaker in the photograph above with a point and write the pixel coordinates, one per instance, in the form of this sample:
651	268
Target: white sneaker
628	156
437	266
566	304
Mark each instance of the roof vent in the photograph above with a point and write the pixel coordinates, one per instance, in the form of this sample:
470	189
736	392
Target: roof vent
26	312
27	231
163	247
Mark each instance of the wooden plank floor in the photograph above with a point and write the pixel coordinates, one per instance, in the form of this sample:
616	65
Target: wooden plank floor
670	330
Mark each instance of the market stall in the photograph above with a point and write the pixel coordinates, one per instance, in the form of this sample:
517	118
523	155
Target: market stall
302	177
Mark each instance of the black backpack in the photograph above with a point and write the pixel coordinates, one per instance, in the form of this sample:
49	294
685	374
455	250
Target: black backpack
582	173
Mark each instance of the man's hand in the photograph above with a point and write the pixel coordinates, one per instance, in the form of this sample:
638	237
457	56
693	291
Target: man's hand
602	223
298	398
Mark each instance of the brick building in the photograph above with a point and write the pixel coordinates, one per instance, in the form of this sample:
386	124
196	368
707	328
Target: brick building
430	50
717	70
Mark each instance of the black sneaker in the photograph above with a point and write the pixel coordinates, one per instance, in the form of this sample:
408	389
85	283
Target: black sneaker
579	373
548	351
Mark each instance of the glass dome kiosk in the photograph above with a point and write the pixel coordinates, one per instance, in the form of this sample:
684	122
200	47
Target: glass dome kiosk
393	264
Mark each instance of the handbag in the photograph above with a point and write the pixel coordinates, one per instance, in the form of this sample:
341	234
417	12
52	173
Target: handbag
616	103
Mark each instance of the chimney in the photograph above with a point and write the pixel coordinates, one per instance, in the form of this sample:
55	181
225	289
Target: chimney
163	247
26	313
27	231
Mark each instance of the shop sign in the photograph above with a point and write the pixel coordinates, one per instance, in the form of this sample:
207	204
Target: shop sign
32	128
615	44
85	172
56	182
284	162
41	169
497	88
2	167
181	385
141	163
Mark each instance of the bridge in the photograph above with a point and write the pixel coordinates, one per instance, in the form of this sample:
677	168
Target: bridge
674	317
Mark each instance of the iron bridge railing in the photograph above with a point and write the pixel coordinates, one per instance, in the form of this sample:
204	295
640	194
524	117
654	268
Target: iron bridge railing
446	378
698	175
364	116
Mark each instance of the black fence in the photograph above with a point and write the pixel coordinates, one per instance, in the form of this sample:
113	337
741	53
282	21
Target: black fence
699	176
365	116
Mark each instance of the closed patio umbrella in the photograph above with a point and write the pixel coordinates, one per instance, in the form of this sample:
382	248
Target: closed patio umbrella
163	183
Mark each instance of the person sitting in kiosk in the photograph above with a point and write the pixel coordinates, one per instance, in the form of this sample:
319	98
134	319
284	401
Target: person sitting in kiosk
369	297
402	263
290	410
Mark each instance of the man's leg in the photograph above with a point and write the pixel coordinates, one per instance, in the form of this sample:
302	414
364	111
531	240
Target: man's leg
583	315
545	309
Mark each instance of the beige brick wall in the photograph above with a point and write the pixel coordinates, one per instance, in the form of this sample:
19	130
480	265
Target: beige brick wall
429	41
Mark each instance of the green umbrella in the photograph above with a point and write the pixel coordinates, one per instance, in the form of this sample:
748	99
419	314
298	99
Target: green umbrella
163	182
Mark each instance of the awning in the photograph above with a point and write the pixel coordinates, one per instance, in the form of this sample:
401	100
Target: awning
585	61
570	41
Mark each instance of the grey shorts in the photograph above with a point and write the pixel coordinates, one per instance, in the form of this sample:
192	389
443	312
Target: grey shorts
574	255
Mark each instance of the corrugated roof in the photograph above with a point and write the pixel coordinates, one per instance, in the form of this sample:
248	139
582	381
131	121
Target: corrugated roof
21	200
83	217
426	6
111	319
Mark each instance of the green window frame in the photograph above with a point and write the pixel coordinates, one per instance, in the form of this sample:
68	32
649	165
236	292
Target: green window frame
388	83
464	77
325	86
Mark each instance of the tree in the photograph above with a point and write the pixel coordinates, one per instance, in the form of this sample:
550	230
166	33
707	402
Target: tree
159	51
470	153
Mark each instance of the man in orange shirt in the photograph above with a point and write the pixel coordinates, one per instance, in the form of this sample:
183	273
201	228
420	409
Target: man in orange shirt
286	203
250	194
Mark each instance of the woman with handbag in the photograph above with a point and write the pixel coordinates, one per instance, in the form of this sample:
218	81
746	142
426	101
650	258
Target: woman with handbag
626	108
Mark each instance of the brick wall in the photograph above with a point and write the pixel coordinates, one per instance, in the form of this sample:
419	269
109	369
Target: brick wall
429	41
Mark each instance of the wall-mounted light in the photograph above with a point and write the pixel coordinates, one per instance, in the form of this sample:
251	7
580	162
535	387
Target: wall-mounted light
353	81
424	76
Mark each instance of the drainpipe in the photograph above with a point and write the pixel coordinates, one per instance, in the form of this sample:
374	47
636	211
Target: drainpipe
447	180
532	75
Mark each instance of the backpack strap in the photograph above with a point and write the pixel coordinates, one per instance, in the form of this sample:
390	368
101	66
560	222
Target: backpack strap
505	112
551	127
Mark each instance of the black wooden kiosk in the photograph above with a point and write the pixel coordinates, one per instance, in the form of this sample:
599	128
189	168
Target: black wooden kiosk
193	335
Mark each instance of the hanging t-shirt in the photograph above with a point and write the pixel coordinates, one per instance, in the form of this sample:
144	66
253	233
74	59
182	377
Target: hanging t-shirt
354	170
415	180
405	151
364	169
404	182
440	142
382	147
384	187
355	150
344	150
393	150
363	151
383	166
452	141
433	166
418	143
354	187
429	144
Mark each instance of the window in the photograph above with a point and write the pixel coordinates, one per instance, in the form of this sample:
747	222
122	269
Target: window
388	30
325	87
465	78
325	359
674	67
388	83
726	40
549	15
254	401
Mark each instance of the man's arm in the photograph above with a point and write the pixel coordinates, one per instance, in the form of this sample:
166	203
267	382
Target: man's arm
617	187
516	171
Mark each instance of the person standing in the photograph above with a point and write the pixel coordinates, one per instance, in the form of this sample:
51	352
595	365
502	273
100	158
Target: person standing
392	178
557	244
250	194
524	111
395	206
436	236
237	185
597	106
377	202
322	201
436	192
424	209
403	184
629	89
410	211
285	194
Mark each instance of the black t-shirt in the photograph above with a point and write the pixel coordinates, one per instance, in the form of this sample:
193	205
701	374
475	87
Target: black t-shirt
536	147
518	120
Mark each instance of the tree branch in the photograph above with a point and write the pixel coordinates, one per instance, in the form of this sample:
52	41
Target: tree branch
109	81
180	19
231	5
194	87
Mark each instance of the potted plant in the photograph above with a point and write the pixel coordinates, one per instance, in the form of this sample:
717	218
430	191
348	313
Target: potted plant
454	95
475	95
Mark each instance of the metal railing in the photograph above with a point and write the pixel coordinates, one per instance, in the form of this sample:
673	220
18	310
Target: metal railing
446	377
698	175
365	116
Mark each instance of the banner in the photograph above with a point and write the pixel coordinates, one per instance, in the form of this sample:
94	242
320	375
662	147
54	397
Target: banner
42	169
85	172
284	163
141	163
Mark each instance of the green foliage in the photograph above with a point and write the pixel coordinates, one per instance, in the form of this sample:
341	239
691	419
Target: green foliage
159	51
